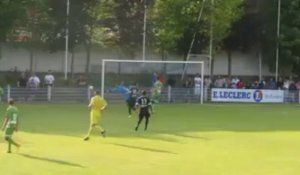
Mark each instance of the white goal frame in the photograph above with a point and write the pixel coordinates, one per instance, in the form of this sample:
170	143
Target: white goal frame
201	63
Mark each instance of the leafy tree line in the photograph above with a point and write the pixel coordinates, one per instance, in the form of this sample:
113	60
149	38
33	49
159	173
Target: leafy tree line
171	26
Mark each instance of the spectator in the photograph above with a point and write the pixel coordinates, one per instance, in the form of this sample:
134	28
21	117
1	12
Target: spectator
22	81
292	92
162	78
33	82
271	84
154	78
240	84
261	84
207	83
49	79
227	82
286	84
234	82
298	85
197	83
188	84
220	82
81	81
171	82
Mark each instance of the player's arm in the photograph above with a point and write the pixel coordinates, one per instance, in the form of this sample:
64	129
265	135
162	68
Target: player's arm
91	103
4	123
137	103
104	105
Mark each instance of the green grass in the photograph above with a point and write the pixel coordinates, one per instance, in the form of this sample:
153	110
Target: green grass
183	139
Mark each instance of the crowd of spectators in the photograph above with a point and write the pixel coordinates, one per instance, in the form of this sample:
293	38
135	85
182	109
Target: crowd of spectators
238	83
27	79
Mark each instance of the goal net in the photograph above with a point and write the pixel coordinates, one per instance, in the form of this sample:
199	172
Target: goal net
162	80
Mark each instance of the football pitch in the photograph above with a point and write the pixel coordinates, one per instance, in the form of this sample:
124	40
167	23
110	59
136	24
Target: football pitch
183	139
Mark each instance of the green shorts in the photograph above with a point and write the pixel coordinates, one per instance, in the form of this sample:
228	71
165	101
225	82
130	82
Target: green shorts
9	131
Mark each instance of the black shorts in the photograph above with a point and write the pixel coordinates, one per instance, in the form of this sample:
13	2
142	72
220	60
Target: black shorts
131	102
144	115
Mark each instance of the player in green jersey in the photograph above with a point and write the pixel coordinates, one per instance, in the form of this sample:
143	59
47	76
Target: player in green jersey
156	91
10	124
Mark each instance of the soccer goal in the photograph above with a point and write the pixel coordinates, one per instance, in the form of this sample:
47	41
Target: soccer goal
118	75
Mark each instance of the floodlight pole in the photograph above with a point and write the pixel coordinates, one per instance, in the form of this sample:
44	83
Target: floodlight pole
67	40
278	36
102	77
211	39
145	30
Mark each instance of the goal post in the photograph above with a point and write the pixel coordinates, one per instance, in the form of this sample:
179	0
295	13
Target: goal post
199	65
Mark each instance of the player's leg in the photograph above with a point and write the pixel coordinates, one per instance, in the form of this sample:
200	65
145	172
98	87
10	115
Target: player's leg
93	122
147	121
102	130
8	137
141	116
129	107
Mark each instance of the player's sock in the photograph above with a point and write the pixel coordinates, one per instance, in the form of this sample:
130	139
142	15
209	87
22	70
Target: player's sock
102	131
14	143
87	137
9	147
138	124
99	128
129	110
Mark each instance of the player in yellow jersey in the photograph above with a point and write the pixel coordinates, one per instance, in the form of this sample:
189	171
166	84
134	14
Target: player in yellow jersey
97	105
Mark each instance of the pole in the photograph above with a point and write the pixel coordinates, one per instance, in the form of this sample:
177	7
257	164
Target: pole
278	35
260	64
67	40
211	39
102	78
193	40
145	30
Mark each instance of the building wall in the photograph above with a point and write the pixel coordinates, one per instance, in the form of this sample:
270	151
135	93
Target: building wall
242	64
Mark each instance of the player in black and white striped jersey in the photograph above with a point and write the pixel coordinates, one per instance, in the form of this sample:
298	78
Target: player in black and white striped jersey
145	106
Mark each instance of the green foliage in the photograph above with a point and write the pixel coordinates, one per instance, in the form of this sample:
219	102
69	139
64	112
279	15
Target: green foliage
174	18
10	10
289	40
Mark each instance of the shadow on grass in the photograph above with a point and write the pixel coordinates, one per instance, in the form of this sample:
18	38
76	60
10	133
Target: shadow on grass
189	136
148	135
61	162
142	148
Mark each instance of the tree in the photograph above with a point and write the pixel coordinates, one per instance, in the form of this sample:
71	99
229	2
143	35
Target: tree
10	10
177	21
241	39
98	29
289	40
36	23
88	26
129	15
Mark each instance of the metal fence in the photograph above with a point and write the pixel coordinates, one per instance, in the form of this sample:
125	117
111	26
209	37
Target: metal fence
58	94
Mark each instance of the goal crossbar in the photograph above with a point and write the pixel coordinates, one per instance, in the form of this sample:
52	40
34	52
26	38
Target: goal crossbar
104	61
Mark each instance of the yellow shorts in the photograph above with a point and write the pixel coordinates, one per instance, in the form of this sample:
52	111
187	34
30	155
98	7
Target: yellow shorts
95	118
